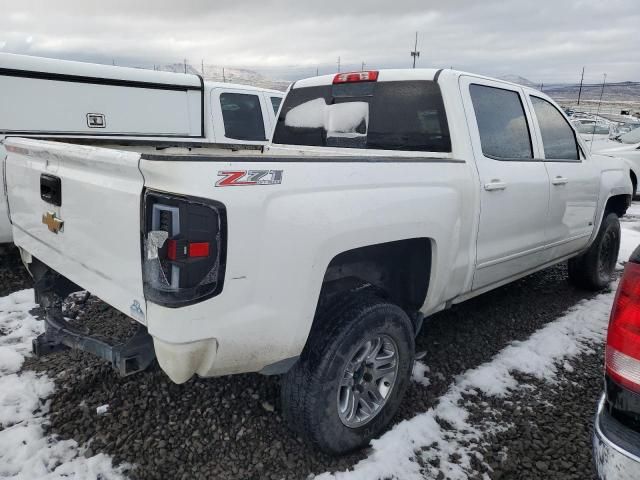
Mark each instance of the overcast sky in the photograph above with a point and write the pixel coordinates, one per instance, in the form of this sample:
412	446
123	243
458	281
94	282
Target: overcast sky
542	40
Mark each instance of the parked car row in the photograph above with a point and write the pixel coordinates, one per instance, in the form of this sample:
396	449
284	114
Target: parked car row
616	438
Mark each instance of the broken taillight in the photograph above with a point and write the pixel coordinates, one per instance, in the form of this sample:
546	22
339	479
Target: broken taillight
184	245
622	358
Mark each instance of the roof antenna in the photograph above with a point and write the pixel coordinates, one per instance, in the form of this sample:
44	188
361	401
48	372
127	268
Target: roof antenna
415	53
593	133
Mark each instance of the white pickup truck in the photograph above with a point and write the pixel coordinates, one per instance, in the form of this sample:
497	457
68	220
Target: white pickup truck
384	197
96	104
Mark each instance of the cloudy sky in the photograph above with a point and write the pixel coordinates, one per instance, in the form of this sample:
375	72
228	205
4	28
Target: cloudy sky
542	40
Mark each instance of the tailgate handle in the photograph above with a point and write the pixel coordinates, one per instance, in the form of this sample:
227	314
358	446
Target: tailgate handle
51	189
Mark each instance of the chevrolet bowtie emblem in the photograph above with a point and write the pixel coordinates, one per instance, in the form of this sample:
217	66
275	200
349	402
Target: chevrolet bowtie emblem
53	224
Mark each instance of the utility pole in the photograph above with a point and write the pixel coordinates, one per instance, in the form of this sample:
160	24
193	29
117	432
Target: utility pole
541	86
202	69
224	79
580	90
415	53
362	69
185	65
317	70
338	64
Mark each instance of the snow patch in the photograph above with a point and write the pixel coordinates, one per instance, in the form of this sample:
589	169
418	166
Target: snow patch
340	118
630	232
419	373
25	450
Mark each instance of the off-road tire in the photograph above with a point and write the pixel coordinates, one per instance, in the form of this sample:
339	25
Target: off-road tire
593	269
310	389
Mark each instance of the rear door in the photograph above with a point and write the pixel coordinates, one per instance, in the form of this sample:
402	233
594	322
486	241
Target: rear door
77	209
514	187
574	180
239	116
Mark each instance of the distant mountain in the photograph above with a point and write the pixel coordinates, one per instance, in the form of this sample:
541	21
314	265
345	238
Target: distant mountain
230	75
519	80
178	68
613	92
622	91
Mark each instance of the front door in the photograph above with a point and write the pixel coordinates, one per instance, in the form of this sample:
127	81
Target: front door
514	186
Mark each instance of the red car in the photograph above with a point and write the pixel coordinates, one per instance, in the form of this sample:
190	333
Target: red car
616	437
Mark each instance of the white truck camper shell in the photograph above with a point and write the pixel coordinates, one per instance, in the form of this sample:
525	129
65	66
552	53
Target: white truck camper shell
103	104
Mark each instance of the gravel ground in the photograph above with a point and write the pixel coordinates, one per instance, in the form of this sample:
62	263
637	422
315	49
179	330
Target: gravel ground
551	433
230	427
13	276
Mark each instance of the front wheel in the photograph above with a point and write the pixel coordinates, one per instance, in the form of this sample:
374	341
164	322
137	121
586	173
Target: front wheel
352	375
593	269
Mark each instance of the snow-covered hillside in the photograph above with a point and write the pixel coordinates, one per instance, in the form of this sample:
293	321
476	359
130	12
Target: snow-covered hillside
230	75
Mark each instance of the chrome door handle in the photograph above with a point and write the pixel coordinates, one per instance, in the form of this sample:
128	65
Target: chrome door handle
560	180
495	185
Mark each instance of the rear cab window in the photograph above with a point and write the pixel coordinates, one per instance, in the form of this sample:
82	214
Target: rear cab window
394	115
242	116
502	123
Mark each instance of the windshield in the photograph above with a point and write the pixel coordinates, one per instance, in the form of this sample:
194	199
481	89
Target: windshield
407	115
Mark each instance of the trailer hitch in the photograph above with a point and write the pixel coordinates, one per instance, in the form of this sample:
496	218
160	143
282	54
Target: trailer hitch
131	356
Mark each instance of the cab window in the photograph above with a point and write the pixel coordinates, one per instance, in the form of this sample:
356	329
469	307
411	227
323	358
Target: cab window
503	127
275	103
558	138
242	116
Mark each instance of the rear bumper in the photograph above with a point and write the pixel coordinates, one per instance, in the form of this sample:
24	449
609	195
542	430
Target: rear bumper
616	449
127	358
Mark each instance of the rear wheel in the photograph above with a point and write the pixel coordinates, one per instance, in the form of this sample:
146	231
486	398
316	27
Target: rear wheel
352	375
593	269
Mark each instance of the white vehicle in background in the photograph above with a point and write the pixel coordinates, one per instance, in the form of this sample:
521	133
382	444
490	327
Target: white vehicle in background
102	104
626	146
383	198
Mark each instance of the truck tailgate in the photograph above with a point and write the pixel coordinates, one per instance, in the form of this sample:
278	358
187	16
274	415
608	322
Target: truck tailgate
96	193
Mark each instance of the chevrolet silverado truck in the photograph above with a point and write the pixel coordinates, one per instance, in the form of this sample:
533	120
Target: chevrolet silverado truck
382	198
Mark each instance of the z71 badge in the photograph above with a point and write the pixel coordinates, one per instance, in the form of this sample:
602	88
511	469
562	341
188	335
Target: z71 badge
243	178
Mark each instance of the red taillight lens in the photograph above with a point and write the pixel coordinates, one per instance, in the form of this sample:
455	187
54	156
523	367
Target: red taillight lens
353	77
622	359
200	249
181	249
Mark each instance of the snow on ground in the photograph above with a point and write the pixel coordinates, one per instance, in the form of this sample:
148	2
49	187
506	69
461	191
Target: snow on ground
630	232
405	451
26	452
